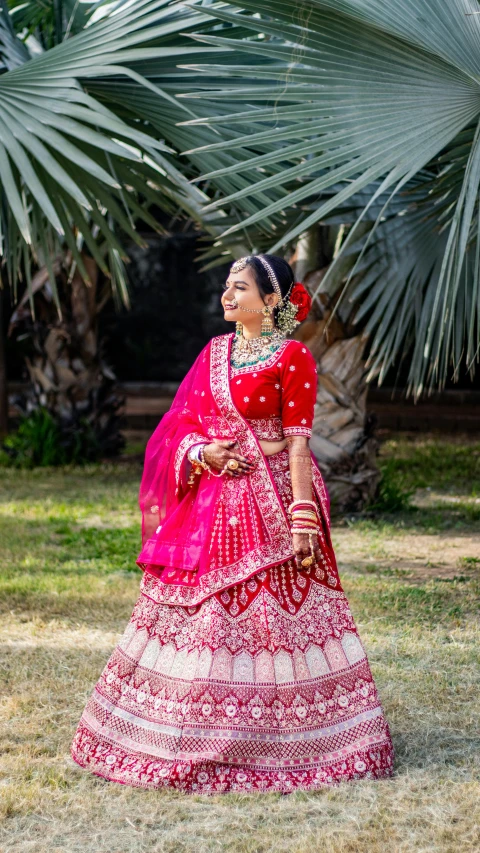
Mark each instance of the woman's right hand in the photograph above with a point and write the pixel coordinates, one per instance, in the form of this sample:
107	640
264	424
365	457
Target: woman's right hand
218	453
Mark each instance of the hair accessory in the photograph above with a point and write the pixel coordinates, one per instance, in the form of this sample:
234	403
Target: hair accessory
241	263
292	308
297	304
272	277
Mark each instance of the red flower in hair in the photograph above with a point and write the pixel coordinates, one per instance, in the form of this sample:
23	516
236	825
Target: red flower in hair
300	296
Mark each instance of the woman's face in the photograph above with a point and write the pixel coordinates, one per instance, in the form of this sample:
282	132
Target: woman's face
241	289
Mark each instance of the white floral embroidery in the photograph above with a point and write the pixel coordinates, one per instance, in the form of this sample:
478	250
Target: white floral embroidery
303	349
307	385
291	403
255	375
246	399
238	381
202	394
269	428
262	399
301	430
292	367
279	363
277	386
303	421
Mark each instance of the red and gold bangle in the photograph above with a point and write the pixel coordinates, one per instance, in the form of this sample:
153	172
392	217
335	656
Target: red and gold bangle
309	530
302	504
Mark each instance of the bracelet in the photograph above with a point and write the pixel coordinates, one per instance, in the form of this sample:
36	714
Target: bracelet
201	457
206	466
307	515
302	504
309	530
193	454
304	515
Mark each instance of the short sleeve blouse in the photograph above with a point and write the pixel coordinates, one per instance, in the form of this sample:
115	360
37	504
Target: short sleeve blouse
282	389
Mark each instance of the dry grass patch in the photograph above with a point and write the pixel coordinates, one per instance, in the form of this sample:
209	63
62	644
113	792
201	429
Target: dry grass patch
67	587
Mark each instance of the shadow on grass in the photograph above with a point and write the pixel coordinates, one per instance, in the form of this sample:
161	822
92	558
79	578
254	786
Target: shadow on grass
424	746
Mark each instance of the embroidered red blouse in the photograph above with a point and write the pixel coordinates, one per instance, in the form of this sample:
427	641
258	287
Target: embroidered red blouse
277	397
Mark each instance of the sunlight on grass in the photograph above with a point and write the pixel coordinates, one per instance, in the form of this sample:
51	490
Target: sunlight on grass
67	587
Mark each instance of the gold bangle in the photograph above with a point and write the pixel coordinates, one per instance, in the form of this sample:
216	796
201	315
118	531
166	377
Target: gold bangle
310	515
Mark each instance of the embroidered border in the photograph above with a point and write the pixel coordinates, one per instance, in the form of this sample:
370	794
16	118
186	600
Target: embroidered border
189	441
263	485
269	429
293	430
279	549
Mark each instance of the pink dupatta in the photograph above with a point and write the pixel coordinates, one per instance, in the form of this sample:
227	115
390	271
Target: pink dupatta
177	519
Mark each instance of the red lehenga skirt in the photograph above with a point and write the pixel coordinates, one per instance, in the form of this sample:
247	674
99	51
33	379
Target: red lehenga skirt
264	686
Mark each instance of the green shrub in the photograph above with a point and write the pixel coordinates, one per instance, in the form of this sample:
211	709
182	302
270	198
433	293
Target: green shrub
392	495
40	441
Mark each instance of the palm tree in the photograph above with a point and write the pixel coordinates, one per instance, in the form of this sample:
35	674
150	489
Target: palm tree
88	142
371	109
343	439
357	115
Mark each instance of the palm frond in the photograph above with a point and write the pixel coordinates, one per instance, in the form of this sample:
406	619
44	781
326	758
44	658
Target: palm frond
350	97
85	125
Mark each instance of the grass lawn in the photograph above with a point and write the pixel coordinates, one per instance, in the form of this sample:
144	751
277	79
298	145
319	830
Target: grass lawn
68	584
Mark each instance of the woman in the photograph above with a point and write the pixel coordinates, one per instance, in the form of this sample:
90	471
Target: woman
241	667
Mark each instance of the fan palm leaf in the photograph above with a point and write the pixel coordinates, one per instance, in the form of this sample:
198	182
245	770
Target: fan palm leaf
361	96
85	127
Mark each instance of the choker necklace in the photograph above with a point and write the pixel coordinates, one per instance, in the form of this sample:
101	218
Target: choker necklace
250	351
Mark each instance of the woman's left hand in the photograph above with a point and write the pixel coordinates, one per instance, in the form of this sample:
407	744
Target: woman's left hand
301	548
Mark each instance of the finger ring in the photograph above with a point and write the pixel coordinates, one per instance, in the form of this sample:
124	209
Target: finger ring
307	562
233	464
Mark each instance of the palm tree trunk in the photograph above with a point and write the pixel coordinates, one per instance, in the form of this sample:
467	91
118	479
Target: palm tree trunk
343	439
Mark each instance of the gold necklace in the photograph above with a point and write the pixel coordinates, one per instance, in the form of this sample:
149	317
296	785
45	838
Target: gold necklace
250	351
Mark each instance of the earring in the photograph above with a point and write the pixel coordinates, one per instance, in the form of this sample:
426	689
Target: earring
238	329
267	324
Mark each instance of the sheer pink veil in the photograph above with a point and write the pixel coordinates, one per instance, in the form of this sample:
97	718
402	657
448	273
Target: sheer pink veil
160	486
177	518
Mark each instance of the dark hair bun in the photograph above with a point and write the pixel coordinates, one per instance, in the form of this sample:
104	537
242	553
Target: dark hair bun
281	268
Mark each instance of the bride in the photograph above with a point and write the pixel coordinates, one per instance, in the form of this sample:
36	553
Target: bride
241	668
